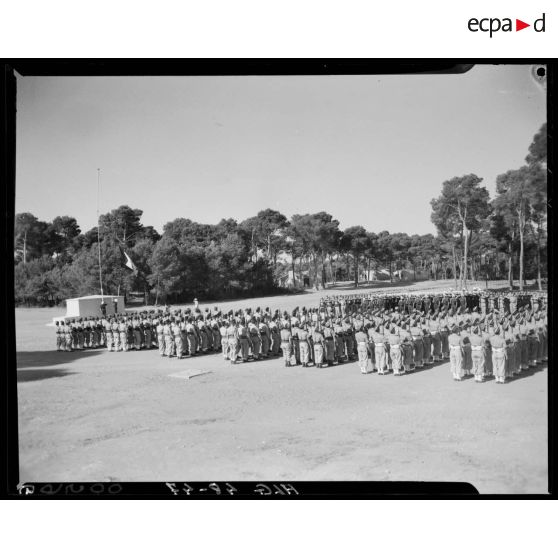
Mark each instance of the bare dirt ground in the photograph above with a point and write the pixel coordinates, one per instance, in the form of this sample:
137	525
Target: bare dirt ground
99	416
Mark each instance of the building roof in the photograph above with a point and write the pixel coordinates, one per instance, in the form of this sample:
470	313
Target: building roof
98	297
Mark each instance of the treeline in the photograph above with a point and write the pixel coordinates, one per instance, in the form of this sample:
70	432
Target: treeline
478	238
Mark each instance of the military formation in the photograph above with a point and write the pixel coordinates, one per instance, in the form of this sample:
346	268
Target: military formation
482	334
486	301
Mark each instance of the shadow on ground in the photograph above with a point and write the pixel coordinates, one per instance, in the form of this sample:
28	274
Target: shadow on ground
526	373
37	374
27	359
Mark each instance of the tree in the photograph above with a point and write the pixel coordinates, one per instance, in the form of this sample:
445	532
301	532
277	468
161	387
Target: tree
266	232
149	233
371	252
326	236
514	188
465	202
63	231
228	265
141	254
538	204
29	235
537	161
315	236
178	270
123	224
356	241
384	249
302	231
537	154
294	247
502	230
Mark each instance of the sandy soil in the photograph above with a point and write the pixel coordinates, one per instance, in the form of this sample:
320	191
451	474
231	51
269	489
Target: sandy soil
99	416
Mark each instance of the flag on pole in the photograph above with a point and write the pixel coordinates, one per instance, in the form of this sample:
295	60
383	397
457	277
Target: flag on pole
130	264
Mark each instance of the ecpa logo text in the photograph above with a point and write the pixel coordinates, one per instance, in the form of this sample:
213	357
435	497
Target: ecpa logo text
494	24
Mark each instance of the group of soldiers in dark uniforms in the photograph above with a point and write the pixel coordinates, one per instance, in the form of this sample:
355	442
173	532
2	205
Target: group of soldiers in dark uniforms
486	301
377	330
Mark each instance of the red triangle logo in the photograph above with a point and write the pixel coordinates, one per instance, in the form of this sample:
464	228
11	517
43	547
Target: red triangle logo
519	25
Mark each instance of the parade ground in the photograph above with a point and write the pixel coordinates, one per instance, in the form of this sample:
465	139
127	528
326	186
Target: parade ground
98	416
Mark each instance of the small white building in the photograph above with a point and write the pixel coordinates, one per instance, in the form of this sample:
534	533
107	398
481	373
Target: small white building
86	306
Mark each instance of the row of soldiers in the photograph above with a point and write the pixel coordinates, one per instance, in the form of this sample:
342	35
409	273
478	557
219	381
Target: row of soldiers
486	301
480	346
477	343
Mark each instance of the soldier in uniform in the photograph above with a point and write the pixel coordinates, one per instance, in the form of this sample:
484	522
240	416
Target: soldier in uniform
242	334
371	348
275	339
417	345
136	333
406	347
169	338
349	339
81	336
379	350
216	334
67	331
426	343
148	333
108	330
453	304
286	343
444	334
95	331
467	361
176	331
427	302
224	339
362	350
255	339
339	336
486	333
265	336
115	328
401	304
190	339
477	354
304	344
204	338
130	334
58	336
396	352
161	338
434	327
532	343
497	343
456	353
329	344
122	337
86	328
232	338
509	341
294	335
318	342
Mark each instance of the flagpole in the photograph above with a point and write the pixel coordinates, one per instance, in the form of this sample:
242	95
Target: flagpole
98	229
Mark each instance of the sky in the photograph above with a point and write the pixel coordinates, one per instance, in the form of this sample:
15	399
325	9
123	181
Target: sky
370	150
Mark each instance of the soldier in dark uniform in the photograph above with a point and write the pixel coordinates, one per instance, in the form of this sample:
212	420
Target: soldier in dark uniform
453	303
436	301
410	304
427	304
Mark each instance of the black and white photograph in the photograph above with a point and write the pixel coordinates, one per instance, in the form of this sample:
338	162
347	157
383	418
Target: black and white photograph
283	278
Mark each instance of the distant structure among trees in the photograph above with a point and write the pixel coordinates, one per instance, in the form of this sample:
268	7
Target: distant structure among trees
478	238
